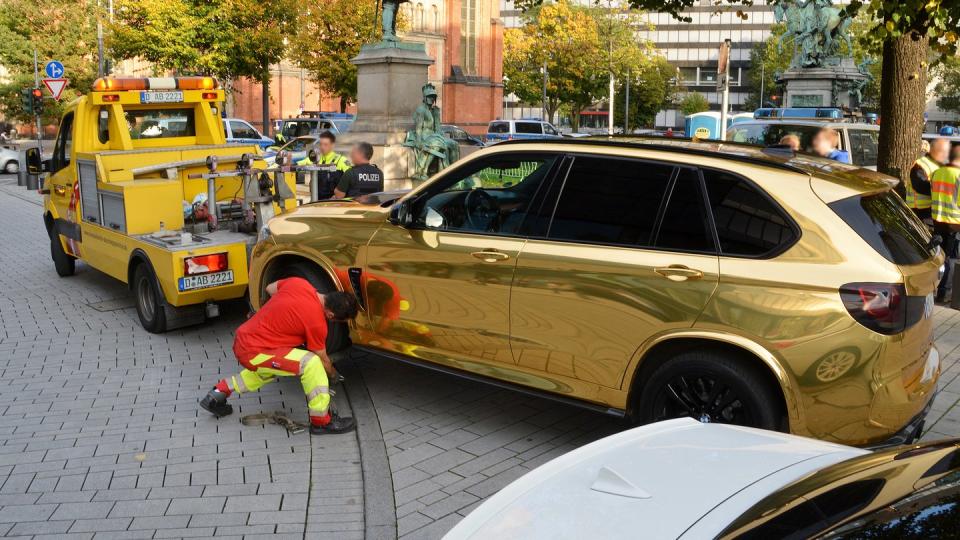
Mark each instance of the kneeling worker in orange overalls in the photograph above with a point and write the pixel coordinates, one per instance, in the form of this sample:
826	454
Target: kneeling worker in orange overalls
267	347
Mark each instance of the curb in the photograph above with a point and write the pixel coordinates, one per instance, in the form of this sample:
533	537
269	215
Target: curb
379	506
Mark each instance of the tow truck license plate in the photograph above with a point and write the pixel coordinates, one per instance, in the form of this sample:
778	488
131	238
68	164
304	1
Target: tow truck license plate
161	97
205	280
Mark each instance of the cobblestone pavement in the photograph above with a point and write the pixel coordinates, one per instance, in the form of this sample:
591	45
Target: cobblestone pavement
101	436
99	423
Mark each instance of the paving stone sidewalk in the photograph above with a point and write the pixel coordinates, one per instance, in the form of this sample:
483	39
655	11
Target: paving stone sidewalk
101	436
99	424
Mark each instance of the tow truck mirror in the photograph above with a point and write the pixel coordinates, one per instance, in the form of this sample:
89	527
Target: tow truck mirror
35	164
400	214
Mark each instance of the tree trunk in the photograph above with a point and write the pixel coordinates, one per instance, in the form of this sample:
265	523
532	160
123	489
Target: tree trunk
343	104
902	102
265	106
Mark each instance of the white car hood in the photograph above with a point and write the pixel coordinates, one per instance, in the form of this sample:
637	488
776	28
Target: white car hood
650	482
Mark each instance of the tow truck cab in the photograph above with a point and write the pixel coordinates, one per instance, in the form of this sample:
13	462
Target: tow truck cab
126	195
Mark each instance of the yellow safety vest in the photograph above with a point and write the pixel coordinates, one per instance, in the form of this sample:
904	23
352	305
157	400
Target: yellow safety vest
943	189
919	201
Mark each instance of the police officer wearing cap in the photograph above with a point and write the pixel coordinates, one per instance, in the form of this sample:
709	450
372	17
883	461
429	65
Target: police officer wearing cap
363	178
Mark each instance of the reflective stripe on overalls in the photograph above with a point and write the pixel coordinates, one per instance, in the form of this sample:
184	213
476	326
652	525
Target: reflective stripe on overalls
919	201
943	186
265	368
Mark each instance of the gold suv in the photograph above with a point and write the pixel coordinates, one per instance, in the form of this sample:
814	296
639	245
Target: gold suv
645	278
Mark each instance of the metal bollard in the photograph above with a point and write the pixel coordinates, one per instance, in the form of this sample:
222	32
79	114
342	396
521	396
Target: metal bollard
314	186
33	182
22	172
955	288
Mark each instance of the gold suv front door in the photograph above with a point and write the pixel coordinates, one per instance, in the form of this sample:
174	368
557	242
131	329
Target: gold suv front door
455	294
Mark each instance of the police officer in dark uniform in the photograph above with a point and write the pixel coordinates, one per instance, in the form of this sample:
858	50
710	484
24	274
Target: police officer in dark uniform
363	178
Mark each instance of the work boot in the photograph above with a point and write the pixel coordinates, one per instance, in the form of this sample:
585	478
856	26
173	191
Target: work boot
215	402
336	425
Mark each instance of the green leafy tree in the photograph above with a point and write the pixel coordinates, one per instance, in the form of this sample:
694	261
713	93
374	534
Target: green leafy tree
905	32
693	103
225	38
652	90
329	33
766	62
948	87
564	39
580	47
63	30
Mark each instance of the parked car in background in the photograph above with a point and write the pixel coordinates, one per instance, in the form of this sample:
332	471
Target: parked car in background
649	278
298	148
9	160
460	135
507	130
688	480
313	123
860	140
240	131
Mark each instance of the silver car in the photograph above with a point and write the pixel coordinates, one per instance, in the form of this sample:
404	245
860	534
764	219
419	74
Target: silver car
9	160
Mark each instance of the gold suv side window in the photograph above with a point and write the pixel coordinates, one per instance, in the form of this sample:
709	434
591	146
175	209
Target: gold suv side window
490	196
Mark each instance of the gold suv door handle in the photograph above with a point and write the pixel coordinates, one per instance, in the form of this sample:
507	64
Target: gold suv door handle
678	272
59	189
490	255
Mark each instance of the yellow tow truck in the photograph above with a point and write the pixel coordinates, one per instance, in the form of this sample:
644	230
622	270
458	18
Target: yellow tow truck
143	186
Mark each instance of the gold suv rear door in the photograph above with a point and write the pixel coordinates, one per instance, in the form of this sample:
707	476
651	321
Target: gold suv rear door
629	254
439	274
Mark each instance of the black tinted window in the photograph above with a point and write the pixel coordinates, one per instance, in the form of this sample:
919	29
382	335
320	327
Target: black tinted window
934	512
748	223
684	224
767	134
885	222
61	150
610	201
499	127
529	127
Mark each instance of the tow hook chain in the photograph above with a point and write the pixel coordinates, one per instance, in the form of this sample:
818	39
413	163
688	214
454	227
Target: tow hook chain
292	426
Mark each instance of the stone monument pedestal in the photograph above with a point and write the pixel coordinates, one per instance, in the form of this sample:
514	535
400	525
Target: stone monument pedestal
824	86
390	77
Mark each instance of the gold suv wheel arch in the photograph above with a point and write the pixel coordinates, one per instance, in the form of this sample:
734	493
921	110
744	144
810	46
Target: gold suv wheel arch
666	347
270	267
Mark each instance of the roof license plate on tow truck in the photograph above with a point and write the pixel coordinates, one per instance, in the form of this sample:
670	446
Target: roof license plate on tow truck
204	281
161	97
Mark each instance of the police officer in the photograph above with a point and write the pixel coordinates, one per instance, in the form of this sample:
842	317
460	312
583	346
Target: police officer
917	190
364	177
946	214
326	156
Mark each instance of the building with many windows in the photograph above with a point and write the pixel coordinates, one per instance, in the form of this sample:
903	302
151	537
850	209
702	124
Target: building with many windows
691	46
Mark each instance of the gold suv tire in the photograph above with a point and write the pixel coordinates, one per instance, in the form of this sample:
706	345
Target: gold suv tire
338	334
710	386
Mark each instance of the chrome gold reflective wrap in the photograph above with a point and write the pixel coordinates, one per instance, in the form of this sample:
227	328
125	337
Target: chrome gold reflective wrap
582	320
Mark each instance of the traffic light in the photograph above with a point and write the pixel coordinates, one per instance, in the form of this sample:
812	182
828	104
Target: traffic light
26	99
37	96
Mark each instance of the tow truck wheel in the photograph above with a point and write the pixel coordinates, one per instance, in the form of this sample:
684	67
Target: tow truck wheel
65	264
149	301
338	334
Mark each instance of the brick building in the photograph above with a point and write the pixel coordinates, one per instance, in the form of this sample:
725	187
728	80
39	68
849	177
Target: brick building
465	39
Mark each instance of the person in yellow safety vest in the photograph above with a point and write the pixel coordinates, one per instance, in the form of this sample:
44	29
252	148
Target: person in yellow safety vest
269	345
917	189
326	156
945	211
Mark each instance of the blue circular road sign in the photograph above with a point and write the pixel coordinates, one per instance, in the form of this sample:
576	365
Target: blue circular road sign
53	69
